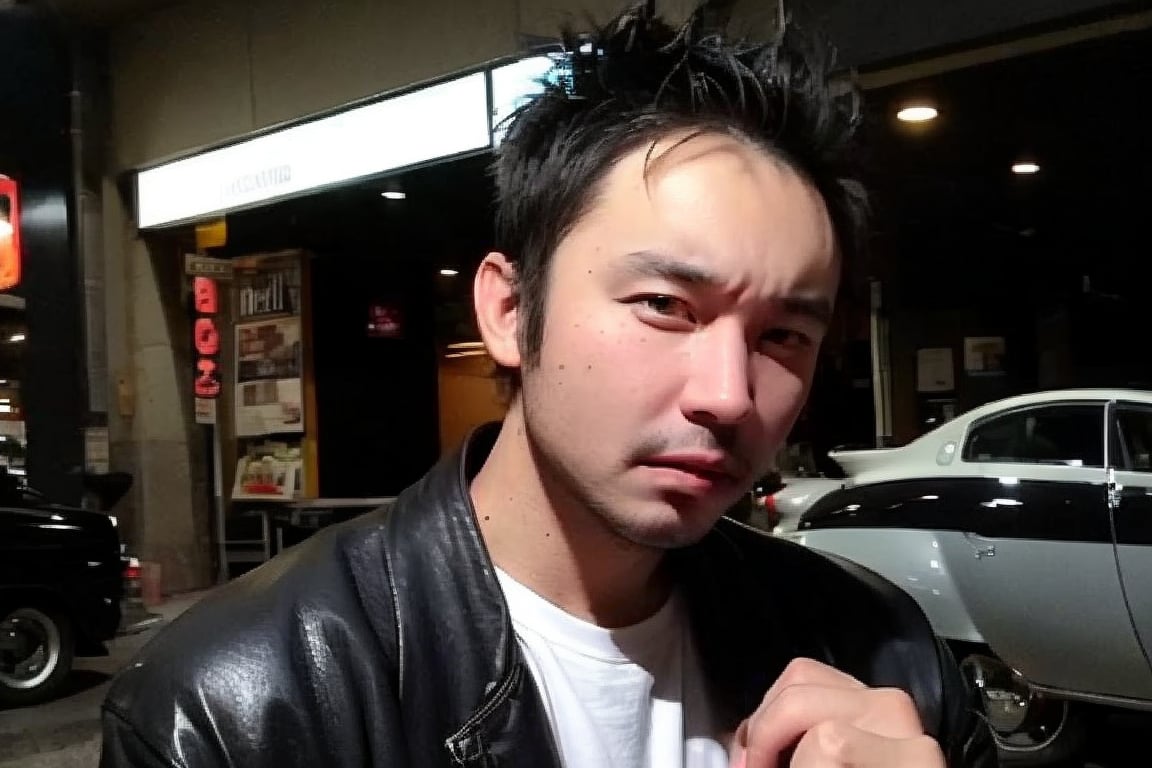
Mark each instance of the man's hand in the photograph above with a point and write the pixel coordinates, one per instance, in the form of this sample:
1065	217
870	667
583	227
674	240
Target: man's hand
816	716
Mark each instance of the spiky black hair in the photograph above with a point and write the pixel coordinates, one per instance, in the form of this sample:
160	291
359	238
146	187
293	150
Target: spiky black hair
633	82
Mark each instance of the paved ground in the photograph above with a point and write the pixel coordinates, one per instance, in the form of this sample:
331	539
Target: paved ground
66	733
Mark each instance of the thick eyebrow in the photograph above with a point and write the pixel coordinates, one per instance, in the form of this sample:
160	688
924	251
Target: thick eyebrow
815	308
652	264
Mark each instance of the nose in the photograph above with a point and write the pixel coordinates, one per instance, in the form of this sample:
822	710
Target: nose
718	390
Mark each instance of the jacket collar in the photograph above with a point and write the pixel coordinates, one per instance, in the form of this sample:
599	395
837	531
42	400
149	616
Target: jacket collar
443	566
461	671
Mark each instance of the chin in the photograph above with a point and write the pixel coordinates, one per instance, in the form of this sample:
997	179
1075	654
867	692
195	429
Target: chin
667	527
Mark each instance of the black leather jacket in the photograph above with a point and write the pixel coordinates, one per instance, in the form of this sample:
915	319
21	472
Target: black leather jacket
386	641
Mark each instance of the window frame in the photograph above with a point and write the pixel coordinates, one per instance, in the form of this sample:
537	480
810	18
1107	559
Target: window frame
1118	453
1102	435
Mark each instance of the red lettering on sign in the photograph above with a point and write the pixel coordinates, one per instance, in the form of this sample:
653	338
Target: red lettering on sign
207	337
205	295
208	382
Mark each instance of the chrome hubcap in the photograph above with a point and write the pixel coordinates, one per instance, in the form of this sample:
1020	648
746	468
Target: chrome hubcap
32	643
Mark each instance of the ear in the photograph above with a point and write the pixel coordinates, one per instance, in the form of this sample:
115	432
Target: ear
497	309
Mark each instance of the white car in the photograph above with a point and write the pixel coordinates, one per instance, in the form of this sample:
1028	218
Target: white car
1023	528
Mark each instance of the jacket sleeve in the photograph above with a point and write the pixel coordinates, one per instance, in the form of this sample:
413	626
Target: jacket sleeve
123	747
965	736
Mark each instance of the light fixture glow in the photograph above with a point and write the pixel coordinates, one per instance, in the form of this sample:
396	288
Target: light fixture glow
449	272
17	337
917	114
467	345
6	228
469	353
372	139
1025	169
394	195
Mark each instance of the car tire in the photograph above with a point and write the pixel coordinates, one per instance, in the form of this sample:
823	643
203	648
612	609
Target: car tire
1030	729
39	670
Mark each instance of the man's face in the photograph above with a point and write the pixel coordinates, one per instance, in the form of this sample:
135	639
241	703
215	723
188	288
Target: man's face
682	322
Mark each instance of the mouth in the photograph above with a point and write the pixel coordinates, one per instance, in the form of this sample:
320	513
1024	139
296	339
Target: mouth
697	472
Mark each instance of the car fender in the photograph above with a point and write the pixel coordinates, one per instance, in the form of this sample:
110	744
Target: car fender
910	559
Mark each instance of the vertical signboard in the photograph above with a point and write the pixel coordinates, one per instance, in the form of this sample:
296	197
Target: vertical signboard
206	337
206	274
11	266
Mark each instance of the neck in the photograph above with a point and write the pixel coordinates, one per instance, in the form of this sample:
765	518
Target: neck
545	539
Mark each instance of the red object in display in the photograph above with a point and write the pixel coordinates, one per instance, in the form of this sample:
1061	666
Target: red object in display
11	265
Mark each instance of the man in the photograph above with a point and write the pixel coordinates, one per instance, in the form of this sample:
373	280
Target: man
673	224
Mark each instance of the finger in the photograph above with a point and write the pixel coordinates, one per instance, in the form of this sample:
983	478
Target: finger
778	725
803	671
834	744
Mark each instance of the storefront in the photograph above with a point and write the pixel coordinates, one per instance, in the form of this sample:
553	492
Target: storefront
267	76
332	356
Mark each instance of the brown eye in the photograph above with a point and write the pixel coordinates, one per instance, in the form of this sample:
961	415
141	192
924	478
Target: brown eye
785	339
669	306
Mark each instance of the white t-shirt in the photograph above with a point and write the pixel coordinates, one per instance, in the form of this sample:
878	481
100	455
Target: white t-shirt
617	698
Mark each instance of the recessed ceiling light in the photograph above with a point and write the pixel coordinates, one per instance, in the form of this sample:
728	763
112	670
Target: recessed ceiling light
392	195
449	272
1025	168
17	337
919	113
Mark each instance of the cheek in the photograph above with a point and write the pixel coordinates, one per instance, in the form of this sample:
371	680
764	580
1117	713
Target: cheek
780	394
606	352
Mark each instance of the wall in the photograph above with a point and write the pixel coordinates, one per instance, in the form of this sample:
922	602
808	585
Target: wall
469	397
200	73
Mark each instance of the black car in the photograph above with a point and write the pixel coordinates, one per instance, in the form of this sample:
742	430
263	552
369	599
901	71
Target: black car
61	585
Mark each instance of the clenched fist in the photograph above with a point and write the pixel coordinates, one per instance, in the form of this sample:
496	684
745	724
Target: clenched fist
815	716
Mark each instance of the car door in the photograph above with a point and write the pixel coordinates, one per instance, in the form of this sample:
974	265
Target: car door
1130	495
1036	565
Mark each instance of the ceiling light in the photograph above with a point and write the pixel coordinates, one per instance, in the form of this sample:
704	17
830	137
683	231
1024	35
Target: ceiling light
5	400
392	195
917	114
467	345
449	272
469	353
1024	169
17	337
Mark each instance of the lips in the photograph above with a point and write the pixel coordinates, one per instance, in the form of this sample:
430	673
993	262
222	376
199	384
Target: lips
714	469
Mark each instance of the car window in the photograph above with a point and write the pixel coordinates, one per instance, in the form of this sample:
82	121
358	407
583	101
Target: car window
1134	434
1070	434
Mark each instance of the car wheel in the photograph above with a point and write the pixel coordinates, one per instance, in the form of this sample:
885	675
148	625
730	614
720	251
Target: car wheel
1030	729
35	654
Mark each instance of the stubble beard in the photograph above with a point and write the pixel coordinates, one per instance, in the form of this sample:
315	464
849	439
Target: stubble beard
569	494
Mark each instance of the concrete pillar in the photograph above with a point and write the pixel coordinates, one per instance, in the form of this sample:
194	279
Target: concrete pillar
167	516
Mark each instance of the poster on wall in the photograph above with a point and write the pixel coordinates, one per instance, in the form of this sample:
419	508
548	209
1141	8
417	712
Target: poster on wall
934	371
269	370
984	355
269	475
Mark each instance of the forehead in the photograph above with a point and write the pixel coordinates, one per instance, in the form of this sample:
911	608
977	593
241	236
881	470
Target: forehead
717	200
